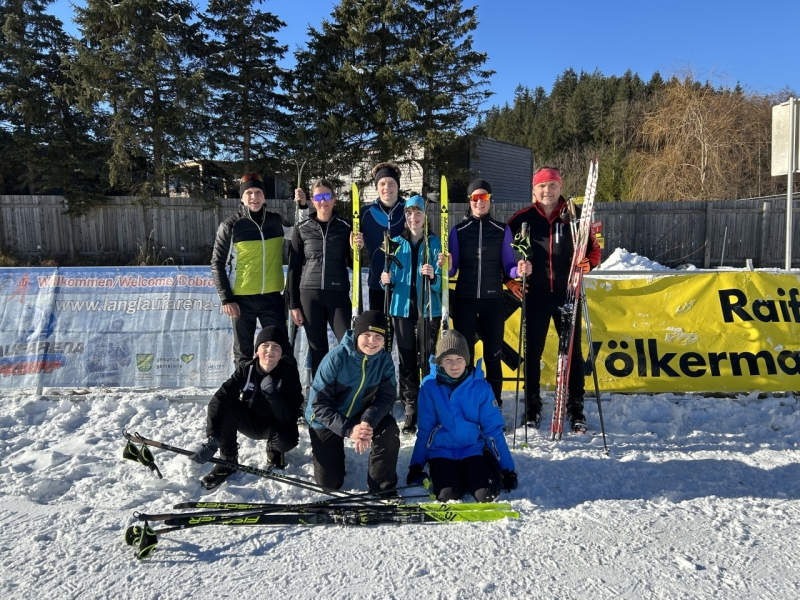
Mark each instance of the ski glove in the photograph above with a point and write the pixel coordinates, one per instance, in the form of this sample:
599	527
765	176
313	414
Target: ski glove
515	287
509	480
206	452
416	475
585	266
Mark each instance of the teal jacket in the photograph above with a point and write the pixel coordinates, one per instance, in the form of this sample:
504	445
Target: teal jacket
349	383
401	278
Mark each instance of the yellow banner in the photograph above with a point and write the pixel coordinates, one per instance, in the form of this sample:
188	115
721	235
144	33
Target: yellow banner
708	332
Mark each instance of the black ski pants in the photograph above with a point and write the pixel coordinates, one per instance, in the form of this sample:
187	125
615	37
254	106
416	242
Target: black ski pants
329	464
239	418
408	350
269	309
320	309
543	307
451	479
484	317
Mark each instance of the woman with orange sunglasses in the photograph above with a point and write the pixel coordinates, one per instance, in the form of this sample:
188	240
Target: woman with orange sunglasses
480	252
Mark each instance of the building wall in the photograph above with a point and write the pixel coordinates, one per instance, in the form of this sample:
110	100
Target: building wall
508	167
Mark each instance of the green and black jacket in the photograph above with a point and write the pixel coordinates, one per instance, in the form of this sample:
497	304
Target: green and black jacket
248	252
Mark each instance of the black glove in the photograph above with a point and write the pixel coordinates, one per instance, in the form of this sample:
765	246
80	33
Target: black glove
267	386
416	475
509	480
206	452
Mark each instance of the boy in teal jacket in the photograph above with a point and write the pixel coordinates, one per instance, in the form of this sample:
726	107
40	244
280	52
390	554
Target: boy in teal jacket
460	433
352	396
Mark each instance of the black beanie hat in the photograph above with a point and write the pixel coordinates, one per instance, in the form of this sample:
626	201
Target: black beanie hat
270	333
479	184
370	320
387	172
251	182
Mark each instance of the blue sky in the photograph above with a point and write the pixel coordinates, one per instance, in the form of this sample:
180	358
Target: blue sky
531	43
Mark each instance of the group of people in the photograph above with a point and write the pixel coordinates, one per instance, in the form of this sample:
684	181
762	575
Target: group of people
455	410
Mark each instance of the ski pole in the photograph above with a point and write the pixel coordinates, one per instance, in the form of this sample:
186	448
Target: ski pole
267	474
592	357
520	246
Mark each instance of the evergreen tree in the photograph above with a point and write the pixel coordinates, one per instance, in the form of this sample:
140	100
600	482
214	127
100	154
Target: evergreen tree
137	62
247	108
444	82
348	87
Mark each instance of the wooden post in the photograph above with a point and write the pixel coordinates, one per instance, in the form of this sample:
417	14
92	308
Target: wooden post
707	256
637	228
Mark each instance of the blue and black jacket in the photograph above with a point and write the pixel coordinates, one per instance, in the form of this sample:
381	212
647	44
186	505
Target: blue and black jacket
349	383
401	278
375	219
459	423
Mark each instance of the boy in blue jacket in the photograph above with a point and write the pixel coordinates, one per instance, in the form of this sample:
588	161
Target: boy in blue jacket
352	396
458	420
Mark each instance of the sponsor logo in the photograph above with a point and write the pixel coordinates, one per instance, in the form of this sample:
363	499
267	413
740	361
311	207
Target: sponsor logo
144	362
187	358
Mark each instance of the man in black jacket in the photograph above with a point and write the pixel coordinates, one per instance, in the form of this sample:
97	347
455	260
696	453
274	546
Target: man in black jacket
261	400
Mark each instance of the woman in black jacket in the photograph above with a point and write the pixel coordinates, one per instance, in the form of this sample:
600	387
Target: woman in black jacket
480	251
319	284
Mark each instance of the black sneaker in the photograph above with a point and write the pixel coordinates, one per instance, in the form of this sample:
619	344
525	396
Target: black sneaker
276	459
216	477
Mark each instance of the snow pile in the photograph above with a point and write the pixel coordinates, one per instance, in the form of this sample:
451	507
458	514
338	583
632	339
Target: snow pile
622	260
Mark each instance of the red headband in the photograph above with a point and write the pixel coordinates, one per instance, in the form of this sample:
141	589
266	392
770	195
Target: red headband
543	175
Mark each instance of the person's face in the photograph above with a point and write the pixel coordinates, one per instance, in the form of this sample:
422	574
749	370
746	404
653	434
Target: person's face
253	198
415	219
370	343
478	204
454	365
269	353
547	192
387	190
324	207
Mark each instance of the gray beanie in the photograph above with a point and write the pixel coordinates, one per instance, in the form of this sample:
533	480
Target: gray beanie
452	343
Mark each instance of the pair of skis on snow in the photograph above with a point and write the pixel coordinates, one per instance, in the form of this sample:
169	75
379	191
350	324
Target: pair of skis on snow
340	508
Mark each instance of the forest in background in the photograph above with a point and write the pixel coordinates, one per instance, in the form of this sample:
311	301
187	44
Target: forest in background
152	90
675	139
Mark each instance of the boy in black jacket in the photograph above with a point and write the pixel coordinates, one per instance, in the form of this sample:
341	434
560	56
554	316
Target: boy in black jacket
262	400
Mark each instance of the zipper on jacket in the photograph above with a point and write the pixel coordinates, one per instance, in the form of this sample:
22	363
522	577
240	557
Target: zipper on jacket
480	254
263	247
430	437
360	385
324	243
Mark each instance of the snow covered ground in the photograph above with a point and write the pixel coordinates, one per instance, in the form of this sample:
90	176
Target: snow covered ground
699	498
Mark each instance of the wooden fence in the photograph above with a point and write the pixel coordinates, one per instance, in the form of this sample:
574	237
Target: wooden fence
668	232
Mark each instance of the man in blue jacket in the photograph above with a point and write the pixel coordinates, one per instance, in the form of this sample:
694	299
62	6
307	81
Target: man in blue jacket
386	213
352	397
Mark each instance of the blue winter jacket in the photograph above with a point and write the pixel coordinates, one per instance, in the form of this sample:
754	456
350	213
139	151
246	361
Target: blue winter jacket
375	219
460	424
401	278
349	382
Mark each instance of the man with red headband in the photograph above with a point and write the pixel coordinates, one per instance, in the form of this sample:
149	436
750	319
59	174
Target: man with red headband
550	254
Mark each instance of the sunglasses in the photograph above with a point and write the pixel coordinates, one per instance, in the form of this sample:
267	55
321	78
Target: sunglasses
143	455
251	177
480	197
323	197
